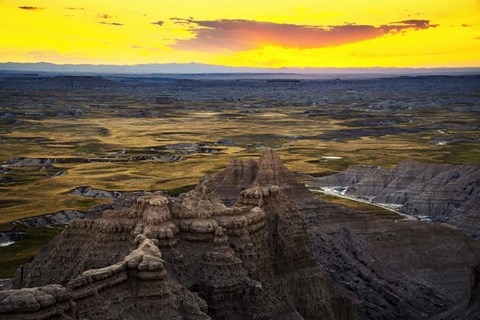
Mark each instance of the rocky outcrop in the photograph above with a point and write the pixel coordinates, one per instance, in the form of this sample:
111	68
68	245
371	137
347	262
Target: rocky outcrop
394	270
61	217
248	243
474	297
9	237
35	303
90	192
436	192
252	259
238	176
268	171
470	308
124	290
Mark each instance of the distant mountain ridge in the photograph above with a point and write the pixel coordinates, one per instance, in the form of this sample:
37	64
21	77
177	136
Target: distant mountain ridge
198	68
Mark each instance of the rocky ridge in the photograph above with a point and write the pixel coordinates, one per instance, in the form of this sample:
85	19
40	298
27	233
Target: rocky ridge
248	243
435	192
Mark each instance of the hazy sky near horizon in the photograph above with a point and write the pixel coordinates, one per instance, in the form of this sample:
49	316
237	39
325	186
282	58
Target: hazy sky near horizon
280	33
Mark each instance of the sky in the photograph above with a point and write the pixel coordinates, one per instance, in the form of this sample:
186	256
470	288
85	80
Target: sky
250	33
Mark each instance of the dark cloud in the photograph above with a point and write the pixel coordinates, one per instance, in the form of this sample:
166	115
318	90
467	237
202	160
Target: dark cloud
111	23
238	35
105	16
182	19
183	22
417	24
30	8
158	23
73	8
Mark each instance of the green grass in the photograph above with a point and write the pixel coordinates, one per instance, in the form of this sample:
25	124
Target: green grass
85	203
192	122
23	251
10	203
461	153
177	191
359	206
88	149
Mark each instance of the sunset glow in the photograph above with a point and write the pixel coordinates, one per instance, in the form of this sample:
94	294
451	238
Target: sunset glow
346	33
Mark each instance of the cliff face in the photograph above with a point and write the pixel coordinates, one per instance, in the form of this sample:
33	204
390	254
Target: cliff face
392	270
469	309
268	171
190	257
437	192
123	290
248	243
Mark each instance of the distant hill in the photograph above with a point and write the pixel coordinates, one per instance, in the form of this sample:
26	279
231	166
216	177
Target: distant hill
58	82
198	68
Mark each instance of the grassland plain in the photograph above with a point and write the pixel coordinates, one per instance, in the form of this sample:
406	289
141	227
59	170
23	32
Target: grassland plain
33	194
118	139
22	251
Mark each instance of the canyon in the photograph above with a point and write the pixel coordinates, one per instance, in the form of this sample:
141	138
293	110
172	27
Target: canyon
249	242
443	193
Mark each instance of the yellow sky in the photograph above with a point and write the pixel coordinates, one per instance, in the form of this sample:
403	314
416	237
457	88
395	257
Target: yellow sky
258	33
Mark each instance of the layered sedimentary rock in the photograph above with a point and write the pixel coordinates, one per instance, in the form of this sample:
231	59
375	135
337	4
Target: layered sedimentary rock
123	290
268	171
437	192
248	243
469	309
392	270
252	259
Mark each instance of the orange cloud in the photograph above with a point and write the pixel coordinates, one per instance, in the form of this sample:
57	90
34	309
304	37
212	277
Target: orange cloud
240	35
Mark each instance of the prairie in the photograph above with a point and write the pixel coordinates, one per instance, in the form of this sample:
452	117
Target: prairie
123	140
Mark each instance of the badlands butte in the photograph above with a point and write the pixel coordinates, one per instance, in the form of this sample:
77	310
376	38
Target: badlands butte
252	242
239	196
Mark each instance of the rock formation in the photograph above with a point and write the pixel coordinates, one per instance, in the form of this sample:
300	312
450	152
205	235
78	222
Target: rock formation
268	171
470	308
437	192
124	290
61	217
247	243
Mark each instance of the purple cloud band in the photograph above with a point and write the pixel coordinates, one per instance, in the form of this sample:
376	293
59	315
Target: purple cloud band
240	35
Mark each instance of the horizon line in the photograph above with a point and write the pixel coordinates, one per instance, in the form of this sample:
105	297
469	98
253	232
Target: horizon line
236	67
